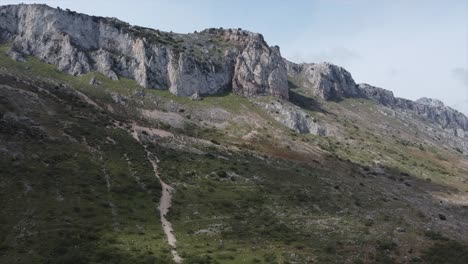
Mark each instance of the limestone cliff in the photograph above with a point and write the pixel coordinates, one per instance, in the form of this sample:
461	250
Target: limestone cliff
432	110
208	62
325	80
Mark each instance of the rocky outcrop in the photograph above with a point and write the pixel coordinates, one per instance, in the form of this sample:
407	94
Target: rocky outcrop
292	117
447	117
430	102
431	110
330	82
260	69
209	62
212	61
377	94
325	80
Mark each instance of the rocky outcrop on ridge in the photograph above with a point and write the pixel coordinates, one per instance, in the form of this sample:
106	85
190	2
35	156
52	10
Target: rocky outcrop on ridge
208	62
377	94
325	80
432	110
430	101
330	82
292	117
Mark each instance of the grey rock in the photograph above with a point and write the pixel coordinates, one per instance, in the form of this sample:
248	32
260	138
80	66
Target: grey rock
377	94
430	102
331	82
140	93
119	99
196	97
446	117
325	80
212	61
94	82
17	56
188	76
260	70
459	132
292	117
400	229
432	110
103	63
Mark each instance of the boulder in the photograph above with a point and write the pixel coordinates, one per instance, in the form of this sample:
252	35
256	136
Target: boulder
196	97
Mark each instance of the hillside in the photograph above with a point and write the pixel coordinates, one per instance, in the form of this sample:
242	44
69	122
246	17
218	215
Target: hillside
122	144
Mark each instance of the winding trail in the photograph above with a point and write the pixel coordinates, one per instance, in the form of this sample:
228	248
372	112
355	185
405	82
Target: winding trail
164	203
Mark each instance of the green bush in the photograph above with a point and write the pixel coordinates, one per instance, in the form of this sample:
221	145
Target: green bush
451	252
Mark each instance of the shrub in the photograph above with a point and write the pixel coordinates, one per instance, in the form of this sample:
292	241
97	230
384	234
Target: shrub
448	252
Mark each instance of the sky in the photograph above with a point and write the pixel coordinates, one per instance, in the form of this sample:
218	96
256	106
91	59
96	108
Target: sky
414	48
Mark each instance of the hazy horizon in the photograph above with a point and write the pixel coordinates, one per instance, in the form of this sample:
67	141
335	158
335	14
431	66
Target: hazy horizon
417	49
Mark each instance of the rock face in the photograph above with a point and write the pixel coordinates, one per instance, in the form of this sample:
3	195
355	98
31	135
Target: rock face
432	110
430	101
331	82
292	117
447	117
377	94
208	62
324	80
260	69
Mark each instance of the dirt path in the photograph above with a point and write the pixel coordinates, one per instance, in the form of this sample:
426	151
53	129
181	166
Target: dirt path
164	203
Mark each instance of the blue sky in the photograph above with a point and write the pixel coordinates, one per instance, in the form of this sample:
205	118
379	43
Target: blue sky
414	48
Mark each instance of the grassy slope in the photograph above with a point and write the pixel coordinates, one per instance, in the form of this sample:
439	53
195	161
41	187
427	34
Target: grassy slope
243	209
55	203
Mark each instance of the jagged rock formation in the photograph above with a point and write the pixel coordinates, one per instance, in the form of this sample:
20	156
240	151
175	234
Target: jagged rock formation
325	80
211	61
208	62
430	101
432	110
330	82
260	69
378	94
293	117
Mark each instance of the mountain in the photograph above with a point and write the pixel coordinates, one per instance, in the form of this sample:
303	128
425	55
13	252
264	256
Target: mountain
123	144
208	62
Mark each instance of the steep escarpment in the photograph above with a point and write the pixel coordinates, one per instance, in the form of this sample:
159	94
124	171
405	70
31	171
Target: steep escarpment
378	94
432	110
330	83
208	62
325	80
